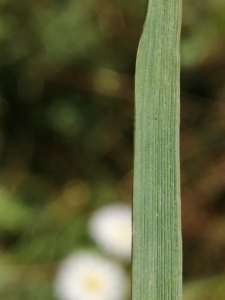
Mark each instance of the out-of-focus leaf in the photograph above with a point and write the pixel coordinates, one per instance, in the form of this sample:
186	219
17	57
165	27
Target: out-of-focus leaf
47	243
64	117
210	289
68	32
14	215
6	27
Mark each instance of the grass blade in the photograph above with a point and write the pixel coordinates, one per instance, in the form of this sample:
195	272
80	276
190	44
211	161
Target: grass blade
156	262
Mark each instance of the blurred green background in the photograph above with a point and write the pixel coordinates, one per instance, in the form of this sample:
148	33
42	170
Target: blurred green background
66	135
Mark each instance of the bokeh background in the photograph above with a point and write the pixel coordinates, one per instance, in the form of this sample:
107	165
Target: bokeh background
66	135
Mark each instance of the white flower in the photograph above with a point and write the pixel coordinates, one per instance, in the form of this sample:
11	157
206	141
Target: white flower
111	228
88	276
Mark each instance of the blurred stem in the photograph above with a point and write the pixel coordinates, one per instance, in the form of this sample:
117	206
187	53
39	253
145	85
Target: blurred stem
156	270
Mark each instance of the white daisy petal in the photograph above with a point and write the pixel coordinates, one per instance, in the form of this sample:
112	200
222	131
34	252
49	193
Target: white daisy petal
88	276
110	227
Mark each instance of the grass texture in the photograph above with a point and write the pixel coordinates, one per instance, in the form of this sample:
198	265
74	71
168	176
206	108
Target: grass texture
157	246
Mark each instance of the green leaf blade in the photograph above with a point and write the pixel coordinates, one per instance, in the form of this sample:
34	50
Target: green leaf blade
156	270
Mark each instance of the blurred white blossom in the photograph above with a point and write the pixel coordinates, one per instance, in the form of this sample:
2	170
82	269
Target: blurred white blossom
111	228
88	276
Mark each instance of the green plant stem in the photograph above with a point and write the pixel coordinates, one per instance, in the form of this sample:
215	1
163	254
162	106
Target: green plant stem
157	246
